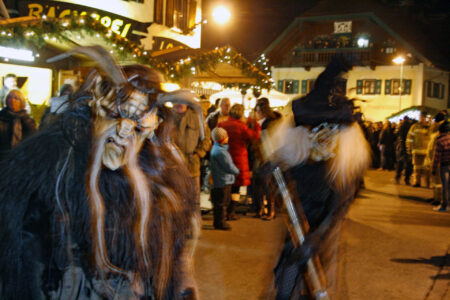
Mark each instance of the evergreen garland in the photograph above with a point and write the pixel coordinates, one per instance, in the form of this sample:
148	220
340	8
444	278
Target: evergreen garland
34	33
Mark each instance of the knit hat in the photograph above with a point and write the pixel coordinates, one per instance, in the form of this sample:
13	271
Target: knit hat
218	134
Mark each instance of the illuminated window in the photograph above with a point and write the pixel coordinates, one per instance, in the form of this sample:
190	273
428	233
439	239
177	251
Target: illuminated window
307	85
179	13
288	86
159	13
435	89
392	87
368	87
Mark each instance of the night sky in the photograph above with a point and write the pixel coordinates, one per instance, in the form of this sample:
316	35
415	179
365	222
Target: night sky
257	23
254	24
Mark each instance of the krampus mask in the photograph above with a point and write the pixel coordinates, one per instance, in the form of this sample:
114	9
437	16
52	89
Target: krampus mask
97	205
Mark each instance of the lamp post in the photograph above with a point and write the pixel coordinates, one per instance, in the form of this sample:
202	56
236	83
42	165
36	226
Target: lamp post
399	60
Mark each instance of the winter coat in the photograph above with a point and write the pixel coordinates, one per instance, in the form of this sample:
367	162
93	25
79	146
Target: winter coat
187	137
7	120
214	118
222	166
239	137
418	138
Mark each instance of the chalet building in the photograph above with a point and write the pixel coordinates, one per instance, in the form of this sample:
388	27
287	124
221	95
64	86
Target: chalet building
370	37
157	24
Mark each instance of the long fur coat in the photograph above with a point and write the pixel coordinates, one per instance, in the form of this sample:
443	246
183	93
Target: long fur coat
45	220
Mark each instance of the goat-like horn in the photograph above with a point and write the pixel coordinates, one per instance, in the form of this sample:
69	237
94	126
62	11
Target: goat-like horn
105	61
184	96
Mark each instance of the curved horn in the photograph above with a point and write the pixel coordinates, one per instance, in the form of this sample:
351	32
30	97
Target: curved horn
105	61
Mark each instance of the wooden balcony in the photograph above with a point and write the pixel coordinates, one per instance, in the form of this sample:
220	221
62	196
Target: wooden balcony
321	57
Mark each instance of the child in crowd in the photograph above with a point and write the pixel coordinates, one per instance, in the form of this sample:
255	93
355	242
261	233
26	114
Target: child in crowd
223	171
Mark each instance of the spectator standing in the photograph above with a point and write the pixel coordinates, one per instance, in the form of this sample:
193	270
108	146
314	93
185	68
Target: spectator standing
265	116
441	162
9	83
187	136
223	173
15	123
435	179
416	144
213	107
403	158
240	136
386	145
376	130
219	115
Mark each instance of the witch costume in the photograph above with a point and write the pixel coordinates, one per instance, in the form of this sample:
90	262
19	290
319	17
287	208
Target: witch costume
323	154
98	205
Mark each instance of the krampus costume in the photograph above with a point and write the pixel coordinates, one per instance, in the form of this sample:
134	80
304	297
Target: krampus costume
323	153
99	205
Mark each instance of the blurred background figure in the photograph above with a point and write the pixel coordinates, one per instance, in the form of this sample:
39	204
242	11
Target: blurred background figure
403	158
240	135
386	145
441	162
416	145
214	107
187	137
435	180
265	117
219	115
58	105
9	83
15	123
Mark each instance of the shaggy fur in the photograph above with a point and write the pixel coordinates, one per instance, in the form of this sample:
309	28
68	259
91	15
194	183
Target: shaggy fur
47	228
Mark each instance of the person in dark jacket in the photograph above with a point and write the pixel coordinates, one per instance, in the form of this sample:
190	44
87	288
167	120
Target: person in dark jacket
265	117
219	115
223	173
404	161
15	123
441	162
386	144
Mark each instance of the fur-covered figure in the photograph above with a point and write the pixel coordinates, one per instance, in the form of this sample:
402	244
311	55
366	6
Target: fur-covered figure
323	153
98	205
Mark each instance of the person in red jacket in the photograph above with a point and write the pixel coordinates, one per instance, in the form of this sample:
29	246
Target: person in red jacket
239	137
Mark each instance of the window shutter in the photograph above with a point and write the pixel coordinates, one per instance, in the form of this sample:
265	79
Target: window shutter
377	87
387	86
304	86
359	86
442	91
407	87
280	85
295	88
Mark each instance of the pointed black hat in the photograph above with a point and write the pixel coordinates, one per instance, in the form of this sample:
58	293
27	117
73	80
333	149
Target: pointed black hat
324	103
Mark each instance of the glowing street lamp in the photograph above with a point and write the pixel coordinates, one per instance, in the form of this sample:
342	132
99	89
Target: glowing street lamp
399	60
221	14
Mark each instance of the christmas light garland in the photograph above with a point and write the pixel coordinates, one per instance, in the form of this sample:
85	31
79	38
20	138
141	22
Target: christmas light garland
36	32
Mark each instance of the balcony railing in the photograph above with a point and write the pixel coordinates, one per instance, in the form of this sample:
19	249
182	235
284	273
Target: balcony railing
321	57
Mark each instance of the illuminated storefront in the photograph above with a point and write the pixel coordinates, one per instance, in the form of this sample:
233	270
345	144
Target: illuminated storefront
155	24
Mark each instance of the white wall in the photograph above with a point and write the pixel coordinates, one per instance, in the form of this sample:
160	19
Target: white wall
378	107
436	75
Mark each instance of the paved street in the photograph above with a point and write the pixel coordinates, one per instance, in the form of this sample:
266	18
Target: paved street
393	246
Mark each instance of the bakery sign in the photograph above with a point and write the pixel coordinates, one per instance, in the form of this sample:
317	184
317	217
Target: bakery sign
117	24
343	27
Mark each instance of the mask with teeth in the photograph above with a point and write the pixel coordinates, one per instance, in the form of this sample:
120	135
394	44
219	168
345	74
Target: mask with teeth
125	116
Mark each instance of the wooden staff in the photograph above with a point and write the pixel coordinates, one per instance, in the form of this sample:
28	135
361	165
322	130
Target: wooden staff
314	275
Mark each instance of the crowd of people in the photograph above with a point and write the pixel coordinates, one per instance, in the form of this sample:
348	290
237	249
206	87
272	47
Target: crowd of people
409	149
104	202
